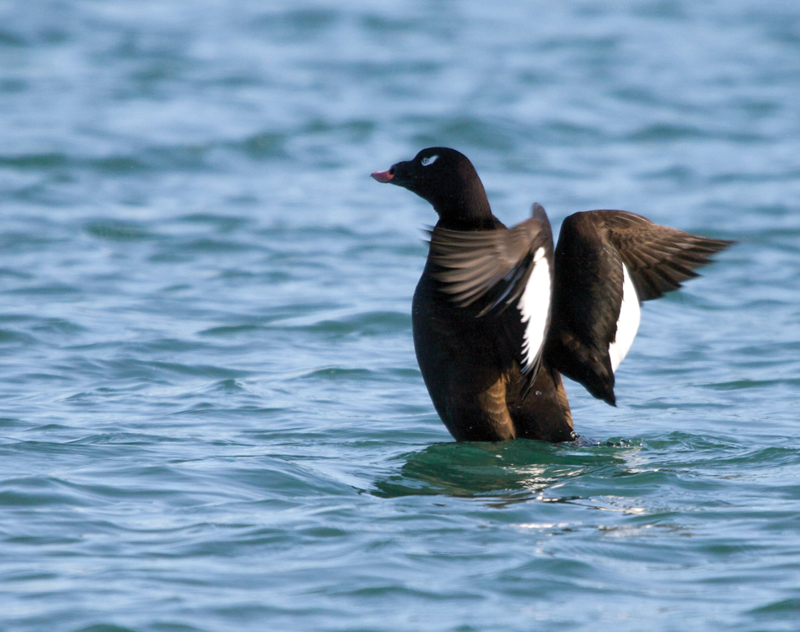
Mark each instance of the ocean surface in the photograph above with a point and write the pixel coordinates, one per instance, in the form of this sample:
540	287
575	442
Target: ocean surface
211	416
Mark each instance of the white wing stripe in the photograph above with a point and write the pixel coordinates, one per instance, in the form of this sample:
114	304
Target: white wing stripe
628	323
534	305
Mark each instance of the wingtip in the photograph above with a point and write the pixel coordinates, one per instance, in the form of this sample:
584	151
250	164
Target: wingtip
717	245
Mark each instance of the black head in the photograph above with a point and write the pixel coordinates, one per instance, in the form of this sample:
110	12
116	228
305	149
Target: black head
445	178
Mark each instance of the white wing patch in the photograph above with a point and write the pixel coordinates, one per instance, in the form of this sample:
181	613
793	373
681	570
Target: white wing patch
627	324
534	305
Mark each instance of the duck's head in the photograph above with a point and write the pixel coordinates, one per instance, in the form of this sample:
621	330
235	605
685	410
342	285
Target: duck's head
445	178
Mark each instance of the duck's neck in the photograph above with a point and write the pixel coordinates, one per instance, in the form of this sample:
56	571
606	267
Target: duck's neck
467	209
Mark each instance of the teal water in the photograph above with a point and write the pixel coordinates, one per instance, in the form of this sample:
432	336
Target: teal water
211	417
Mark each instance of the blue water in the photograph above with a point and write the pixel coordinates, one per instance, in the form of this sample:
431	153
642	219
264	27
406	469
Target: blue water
211	416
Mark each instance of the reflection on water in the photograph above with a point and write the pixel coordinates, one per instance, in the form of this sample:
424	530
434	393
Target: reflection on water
513	471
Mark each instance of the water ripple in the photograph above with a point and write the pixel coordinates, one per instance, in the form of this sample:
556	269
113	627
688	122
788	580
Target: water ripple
210	398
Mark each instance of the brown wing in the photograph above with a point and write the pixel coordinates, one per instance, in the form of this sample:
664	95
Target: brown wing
488	271
658	258
594	250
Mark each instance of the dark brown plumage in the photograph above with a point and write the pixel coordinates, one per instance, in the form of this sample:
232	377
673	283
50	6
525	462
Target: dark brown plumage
498	315
587	293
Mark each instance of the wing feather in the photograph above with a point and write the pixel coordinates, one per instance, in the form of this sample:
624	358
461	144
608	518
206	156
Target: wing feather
489	271
594	250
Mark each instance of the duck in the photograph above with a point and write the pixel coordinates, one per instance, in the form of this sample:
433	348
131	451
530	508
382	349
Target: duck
499	314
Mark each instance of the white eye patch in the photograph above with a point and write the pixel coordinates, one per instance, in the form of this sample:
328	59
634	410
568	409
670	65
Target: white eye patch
429	160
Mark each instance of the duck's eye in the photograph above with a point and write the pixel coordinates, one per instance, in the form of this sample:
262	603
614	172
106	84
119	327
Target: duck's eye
429	160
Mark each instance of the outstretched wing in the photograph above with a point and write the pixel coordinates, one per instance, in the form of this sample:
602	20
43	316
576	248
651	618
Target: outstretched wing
606	263
490	271
658	258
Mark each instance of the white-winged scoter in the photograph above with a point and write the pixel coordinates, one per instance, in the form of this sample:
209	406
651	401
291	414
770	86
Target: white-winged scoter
499	315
